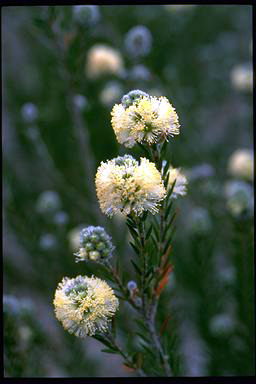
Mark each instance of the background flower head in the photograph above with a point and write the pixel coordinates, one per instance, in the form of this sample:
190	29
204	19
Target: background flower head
85	305
240	164
180	187
240	197
138	41
86	15
102	60
124	186
144	119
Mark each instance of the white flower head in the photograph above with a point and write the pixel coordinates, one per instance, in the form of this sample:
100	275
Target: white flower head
124	186
240	164
180	187
85	305
141	118
102	60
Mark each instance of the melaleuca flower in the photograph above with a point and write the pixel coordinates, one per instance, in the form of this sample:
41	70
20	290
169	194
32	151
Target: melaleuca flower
139	73
80	101
179	7
29	112
240	197
141	118
180	187
48	242
48	202
222	324
85	305
242	77
86	15
199	221
111	93
131	285
240	164
95	245
60	218
138	41
125	186
102	60
74	237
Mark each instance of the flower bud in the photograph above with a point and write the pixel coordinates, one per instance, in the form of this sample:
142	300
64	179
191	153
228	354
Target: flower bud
29	112
86	15
131	285
240	198
48	242
48	202
138	41
95	245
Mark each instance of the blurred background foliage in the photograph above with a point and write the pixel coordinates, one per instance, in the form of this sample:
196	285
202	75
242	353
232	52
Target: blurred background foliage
57	129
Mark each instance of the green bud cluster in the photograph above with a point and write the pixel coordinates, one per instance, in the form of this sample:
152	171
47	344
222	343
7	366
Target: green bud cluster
132	97
95	245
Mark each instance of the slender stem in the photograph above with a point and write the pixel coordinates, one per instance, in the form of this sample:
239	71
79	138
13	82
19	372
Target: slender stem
149	313
143	257
152	309
124	355
156	341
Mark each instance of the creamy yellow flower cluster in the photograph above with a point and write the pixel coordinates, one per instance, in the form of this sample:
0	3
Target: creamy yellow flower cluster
85	305
124	186
180	187
141	118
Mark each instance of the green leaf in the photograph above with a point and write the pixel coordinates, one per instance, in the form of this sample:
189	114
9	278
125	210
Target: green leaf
169	240
156	232
149	231
167	211
155	243
144	148
133	232
166	180
163	149
172	218
149	271
136	249
141	325
143	337
170	190
106	350
144	216
138	270
147	349
103	340
131	222
168	226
